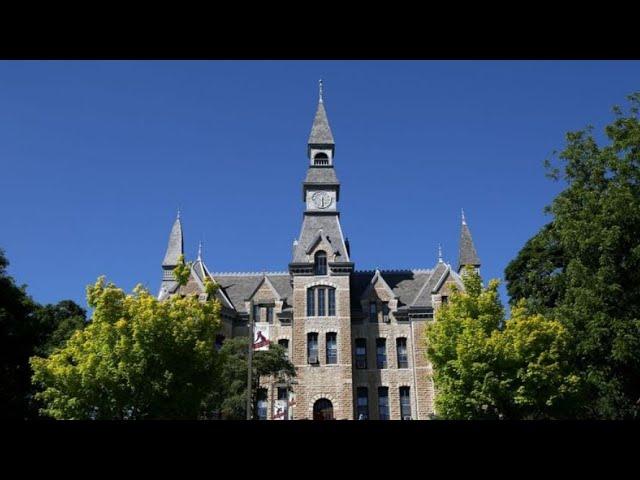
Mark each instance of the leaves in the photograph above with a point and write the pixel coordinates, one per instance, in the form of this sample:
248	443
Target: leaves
485	370
138	358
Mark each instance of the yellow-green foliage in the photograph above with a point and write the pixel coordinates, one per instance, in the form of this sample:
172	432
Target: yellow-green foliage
488	367
137	358
182	271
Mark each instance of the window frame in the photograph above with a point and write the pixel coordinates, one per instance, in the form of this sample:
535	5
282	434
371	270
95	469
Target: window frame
405	401
385	404
310	350
385	363
362	408
361	342
402	359
334	356
320	263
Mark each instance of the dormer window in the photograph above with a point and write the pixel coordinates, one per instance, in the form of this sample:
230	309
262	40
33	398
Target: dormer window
320	264
321	159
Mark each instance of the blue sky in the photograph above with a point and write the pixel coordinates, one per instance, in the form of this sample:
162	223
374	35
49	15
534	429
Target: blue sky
97	156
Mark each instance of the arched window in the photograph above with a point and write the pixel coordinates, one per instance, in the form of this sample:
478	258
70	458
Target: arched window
320	264
323	409
321	159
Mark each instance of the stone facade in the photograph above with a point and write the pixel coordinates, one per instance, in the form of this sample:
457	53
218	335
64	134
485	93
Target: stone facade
375	319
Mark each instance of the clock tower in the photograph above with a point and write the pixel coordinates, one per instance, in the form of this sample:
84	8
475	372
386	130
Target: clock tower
320	277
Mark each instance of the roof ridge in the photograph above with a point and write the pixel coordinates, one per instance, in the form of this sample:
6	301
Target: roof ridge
247	274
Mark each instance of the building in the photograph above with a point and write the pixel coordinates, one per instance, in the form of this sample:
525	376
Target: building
354	336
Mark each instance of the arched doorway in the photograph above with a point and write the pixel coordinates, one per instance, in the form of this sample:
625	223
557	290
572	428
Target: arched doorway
323	410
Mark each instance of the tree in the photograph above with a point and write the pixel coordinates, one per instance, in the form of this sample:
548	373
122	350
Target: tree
18	338
488	367
233	395
590	255
27	328
139	358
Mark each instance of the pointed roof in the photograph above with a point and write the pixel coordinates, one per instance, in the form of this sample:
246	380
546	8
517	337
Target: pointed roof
175	248
468	254
320	131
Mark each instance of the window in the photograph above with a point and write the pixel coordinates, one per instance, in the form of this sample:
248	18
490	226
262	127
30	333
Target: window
284	343
321	263
385	312
311	308
383	403
362	403
282	405
270	314
321	159
219	341
405	403
332	348
401	346
361	353
262	404
373	312
332	302
321	301
381	352
321	296
444	299
312	347
256	313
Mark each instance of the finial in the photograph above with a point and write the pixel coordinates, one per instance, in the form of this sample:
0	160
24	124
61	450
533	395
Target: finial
200	250
439	253
464	221
178	217
320	90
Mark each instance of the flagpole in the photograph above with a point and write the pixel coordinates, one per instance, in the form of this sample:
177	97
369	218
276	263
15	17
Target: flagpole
249	361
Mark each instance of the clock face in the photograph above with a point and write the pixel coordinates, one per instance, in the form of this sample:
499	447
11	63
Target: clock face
321	199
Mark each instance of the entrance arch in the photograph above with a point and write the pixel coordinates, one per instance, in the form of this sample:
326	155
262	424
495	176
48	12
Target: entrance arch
323	409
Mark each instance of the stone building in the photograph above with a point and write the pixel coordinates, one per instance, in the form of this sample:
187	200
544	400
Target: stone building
354	336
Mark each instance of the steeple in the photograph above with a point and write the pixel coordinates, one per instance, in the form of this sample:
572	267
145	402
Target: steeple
321	194
175	248
468	254
321	139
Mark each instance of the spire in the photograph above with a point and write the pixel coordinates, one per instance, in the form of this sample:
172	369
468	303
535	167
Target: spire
468	254
439	253
464	222
175	248
200	250
321	136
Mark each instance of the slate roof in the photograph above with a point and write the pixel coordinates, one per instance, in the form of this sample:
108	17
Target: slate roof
468	254
406	284
311	225
320	131
175	248
321	175
239	286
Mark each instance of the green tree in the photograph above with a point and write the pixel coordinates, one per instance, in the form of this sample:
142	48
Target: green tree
232	400
488	367
27	328
137	358
588	259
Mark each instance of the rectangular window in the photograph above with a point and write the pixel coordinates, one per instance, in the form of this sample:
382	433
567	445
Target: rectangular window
332	348
332	302
444	299
401	347
383	403
363	403
284	343
311	308
361	353
256	313
405	403
312	347
373	312
321	309
385	312
381	353
282	405
270	314
262	404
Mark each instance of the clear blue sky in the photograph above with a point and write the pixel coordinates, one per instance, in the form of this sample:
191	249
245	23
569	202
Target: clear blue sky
96	157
